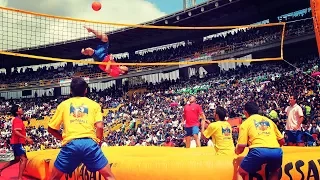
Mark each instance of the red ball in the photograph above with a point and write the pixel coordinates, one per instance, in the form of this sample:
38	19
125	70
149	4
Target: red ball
96	6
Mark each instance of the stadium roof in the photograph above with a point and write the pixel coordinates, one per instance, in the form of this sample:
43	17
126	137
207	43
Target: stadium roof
212	13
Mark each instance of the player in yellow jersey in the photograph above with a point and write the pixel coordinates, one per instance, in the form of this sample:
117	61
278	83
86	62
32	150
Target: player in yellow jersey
221	133
264	140
82	132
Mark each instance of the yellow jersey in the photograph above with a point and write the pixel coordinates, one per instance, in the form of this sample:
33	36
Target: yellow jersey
78	116
259	131
221	133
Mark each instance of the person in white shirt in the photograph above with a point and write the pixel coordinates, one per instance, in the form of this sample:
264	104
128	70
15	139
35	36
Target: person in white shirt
294	122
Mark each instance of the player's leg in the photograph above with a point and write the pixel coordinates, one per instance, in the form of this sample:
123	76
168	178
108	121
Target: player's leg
23	160
95	160
18	153
251	163
106	173
299	138
195	132
291	138
87	51
188	136
68	159
274	162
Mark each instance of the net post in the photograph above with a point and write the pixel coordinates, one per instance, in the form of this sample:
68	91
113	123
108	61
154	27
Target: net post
315	8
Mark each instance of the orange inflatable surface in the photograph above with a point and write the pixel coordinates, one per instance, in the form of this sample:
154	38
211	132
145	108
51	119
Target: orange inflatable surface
315	7
163	163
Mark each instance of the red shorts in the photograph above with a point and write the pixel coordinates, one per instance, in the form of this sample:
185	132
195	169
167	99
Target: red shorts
114	69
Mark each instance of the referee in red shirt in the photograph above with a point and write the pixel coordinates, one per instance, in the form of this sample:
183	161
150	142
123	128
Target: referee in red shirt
191	114
18	139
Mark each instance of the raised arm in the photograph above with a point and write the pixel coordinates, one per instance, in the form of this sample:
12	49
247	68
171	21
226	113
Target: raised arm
102	36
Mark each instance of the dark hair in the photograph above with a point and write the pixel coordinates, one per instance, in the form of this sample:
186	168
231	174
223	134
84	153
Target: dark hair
295	97
251	108
222	113
14	109
78	86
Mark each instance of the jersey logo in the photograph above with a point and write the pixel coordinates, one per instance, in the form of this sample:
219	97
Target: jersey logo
78	111
226	131
262	125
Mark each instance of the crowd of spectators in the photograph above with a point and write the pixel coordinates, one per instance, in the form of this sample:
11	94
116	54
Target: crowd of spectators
155	116
270	85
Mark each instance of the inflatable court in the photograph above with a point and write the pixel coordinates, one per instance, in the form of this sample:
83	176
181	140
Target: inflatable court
163	163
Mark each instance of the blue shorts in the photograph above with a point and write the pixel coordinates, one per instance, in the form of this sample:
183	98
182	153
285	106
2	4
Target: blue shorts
18	150
256	157
190	131
101	52
294	136
79	151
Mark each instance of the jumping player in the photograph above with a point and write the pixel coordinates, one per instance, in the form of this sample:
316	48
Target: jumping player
100	54
82	133
18	139
264	140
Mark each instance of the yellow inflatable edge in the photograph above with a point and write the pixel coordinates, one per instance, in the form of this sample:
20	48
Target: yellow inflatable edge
162	163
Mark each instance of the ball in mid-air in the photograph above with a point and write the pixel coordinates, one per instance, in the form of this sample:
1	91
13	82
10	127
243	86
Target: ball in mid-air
96	6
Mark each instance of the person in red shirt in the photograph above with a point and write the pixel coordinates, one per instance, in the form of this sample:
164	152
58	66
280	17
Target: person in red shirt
191	114
18	139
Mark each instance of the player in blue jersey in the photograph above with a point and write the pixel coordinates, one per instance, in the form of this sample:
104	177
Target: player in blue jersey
100	54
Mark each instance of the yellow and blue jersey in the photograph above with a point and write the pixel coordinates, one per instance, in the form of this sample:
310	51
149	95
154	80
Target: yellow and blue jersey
101	51
259	132
78	116
221	133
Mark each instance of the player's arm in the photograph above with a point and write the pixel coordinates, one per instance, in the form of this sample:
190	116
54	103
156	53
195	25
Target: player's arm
203	118
55	123
242	139
17	128
184	115
99	123
279	135
301	117
100	35
211	129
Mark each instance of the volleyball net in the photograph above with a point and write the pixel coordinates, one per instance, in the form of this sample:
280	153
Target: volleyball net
22	31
